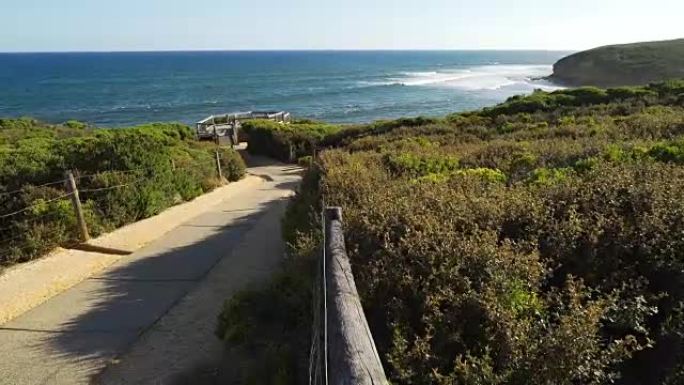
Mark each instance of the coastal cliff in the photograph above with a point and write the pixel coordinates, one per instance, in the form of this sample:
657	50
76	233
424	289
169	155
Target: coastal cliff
622	65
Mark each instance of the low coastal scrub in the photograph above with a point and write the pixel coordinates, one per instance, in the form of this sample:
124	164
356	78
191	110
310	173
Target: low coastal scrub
268	330
535	242
654	94
286	142
123	175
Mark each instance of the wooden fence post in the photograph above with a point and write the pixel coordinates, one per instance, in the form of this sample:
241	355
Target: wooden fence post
218	165
78	210
353	358
234	137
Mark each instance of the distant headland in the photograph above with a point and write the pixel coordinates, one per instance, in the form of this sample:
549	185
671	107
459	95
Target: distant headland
622	65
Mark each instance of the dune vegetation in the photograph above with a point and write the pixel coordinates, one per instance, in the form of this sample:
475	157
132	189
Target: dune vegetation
123	175
535	242
286	142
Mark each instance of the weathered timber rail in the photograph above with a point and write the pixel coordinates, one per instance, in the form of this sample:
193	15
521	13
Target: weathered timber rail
352	358
216	126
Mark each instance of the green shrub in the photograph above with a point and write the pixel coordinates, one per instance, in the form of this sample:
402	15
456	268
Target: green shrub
440	268
285	142
488	174
630	93
668	152
344	136
419	165
232	164
545	176
487	242
272	325
75	124
305	161
585	95
124	175
540	101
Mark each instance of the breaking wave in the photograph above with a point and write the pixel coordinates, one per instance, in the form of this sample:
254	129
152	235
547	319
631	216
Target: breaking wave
486	77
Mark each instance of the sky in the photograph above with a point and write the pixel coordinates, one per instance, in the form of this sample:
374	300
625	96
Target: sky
150	25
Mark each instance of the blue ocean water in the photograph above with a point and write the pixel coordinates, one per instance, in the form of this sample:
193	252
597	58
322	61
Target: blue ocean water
118	89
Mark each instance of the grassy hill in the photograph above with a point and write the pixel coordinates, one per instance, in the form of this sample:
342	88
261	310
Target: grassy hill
622	65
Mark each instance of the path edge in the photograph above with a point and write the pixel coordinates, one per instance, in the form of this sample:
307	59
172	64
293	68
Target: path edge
27	285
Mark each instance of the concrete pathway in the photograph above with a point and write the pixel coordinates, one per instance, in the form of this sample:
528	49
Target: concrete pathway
151	316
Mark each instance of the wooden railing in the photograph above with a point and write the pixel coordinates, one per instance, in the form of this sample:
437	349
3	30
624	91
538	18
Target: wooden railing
227	124
352	358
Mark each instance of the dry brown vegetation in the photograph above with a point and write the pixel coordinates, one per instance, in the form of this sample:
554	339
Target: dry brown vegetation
535	242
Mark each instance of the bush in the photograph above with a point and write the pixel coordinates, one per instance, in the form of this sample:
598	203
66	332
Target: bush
441	268
419	165
540	101
535	242
625	93
272	325
232	164
124	175
285	142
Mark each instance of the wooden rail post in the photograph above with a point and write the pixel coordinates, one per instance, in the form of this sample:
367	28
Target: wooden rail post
78	210
218	165
235	136
292	153
352	356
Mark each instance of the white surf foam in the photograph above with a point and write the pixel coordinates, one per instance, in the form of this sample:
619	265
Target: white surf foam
486	77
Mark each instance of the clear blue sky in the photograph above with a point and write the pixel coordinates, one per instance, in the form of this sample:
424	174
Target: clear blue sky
112	25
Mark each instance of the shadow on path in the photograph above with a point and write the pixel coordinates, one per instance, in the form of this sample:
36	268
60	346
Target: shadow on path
128	300
72	336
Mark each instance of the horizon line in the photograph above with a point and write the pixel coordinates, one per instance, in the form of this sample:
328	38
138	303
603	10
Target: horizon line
300	50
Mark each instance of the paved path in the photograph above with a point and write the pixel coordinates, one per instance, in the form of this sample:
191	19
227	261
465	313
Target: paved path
152	315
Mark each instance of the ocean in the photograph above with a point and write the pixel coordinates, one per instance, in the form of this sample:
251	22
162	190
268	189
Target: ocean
120	89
